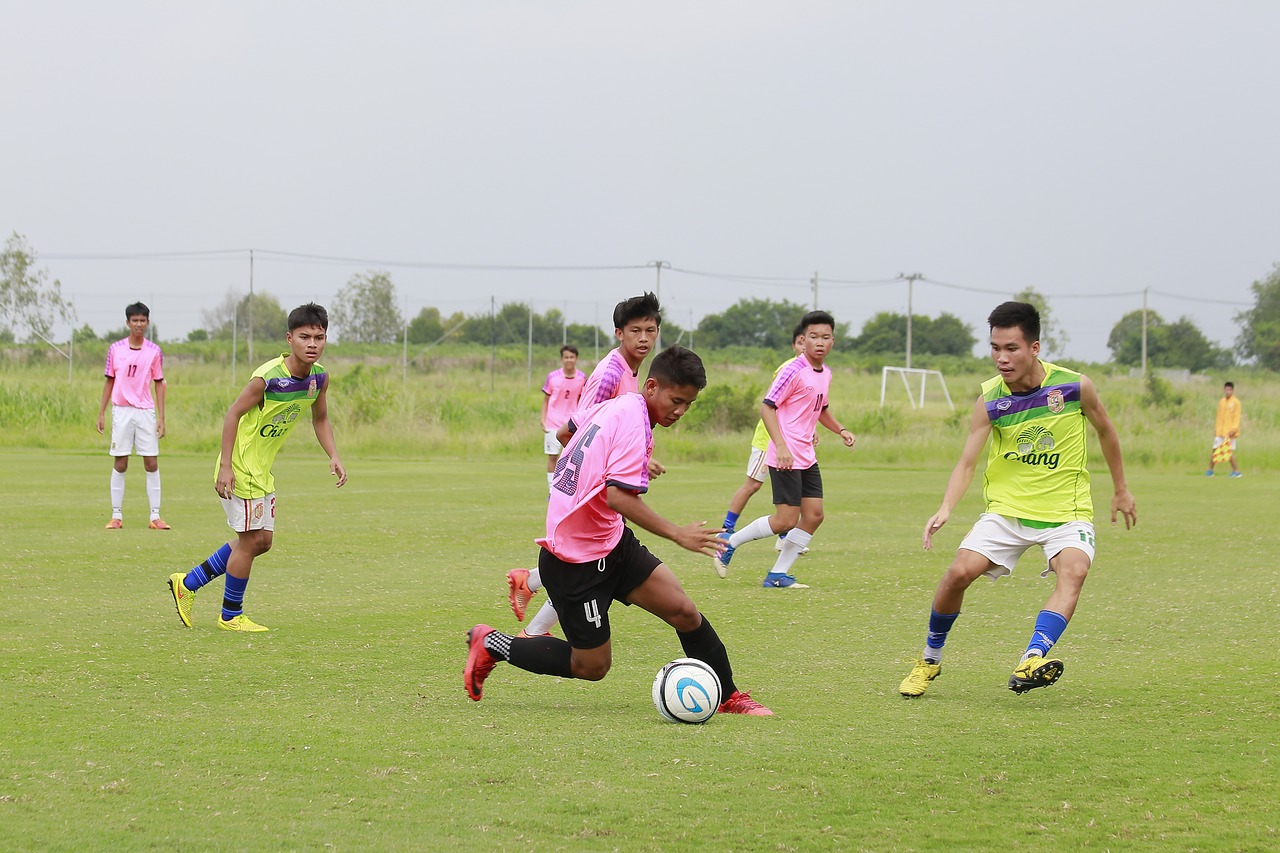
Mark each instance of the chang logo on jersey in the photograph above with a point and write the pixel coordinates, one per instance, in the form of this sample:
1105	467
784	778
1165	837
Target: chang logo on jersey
280	423
1035	447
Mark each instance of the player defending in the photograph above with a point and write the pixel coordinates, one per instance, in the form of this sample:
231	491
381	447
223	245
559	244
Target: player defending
561	393
252	432
636	322
1226	429
137	420
757	470
1037	491
793	407
590	558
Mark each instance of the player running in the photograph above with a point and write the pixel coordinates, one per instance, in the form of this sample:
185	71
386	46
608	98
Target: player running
1037	491
590	558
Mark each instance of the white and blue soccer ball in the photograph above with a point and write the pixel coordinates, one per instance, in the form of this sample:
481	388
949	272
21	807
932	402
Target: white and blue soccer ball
686	691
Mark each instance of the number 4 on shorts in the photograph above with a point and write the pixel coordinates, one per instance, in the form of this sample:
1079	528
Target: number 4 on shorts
593	612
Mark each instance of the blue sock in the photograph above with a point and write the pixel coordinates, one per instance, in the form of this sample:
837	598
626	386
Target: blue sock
208	570
1049	628
730	520
939	625
233	597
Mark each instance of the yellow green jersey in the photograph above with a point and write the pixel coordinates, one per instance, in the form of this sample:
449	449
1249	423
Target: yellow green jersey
1037	470
262	431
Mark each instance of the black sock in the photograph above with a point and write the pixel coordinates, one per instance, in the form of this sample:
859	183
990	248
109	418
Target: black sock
704	644
542	655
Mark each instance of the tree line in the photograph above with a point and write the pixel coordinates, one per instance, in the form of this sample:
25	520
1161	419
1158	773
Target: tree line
366	310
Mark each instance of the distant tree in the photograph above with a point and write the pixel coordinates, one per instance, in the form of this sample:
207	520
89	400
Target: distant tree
231	317
27	298
886	334
365	310
1259	338
197	335
430	326
750	322
945	334
1053	337
1176	345
84	334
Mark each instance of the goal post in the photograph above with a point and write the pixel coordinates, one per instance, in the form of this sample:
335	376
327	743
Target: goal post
908	374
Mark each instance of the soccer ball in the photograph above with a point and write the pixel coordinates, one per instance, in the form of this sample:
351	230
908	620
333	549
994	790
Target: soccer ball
686	691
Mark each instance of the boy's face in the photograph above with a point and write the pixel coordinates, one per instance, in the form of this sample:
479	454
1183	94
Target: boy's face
1014	357
818	340
1227	390
637	337
307	343
667	403
568	362
138	324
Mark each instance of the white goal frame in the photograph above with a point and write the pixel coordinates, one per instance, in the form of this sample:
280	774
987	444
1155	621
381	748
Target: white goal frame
924	375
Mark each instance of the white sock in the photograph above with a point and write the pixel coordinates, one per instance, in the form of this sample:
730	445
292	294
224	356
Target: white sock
153	493
929	654
535	579
795	542
758	529
543	621
551	478
117	493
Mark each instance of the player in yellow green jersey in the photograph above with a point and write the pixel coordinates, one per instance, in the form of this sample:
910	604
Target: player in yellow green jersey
1036	487
255	427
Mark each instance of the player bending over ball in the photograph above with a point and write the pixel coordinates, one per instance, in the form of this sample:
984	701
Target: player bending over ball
252	432
590	558
1037	491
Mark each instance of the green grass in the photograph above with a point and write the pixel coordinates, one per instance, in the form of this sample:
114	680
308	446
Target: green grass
346	727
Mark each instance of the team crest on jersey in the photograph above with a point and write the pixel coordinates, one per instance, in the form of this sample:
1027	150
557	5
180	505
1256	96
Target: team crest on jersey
1056	403
257	511
311	389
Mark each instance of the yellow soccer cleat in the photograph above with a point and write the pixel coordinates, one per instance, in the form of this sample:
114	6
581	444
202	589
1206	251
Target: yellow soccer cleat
240	623
183	598
1035	672
917	682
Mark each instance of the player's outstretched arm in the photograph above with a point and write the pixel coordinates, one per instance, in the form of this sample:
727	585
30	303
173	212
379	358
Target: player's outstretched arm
324	434
962	474
250	398
694	537
1122	502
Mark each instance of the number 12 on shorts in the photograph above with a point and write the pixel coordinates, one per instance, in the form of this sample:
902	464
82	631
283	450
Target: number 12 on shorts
593	612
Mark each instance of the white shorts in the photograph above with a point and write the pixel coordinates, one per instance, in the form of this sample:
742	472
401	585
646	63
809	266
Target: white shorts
245	514
756	469
134	429
1003	540
550	446
1218	441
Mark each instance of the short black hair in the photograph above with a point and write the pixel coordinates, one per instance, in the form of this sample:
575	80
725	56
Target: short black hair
642	307
813	318
568	348
1230	385
310	314
677	365
135	309
1020	315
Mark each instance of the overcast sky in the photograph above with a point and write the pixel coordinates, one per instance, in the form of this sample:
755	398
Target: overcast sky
1087	149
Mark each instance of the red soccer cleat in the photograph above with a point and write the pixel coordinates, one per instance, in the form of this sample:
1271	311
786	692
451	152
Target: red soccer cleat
520	594
479	662
158	524
742	703
114	524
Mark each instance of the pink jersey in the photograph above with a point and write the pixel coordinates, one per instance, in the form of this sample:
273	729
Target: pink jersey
799	393
611	448
134	370
611	378
563	393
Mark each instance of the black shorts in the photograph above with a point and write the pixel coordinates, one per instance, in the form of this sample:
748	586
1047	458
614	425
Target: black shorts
790	486
582	592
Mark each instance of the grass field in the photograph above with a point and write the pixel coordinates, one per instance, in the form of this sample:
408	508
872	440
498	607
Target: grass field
346	727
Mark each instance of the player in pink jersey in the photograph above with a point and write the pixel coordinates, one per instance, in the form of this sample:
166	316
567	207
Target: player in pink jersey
636	322
561	392
590	558
134	364
793	407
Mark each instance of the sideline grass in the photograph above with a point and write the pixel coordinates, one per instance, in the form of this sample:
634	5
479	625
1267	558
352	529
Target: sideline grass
346	726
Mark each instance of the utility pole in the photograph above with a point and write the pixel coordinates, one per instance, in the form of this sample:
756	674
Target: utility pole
1144	331
814	282
657	345
910	279
251	309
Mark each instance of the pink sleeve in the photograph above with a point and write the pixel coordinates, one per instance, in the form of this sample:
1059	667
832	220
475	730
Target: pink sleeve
628	463
110	370
157	366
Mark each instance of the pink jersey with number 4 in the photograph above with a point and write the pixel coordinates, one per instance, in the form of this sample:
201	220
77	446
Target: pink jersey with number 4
799	393
134	370
611	448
